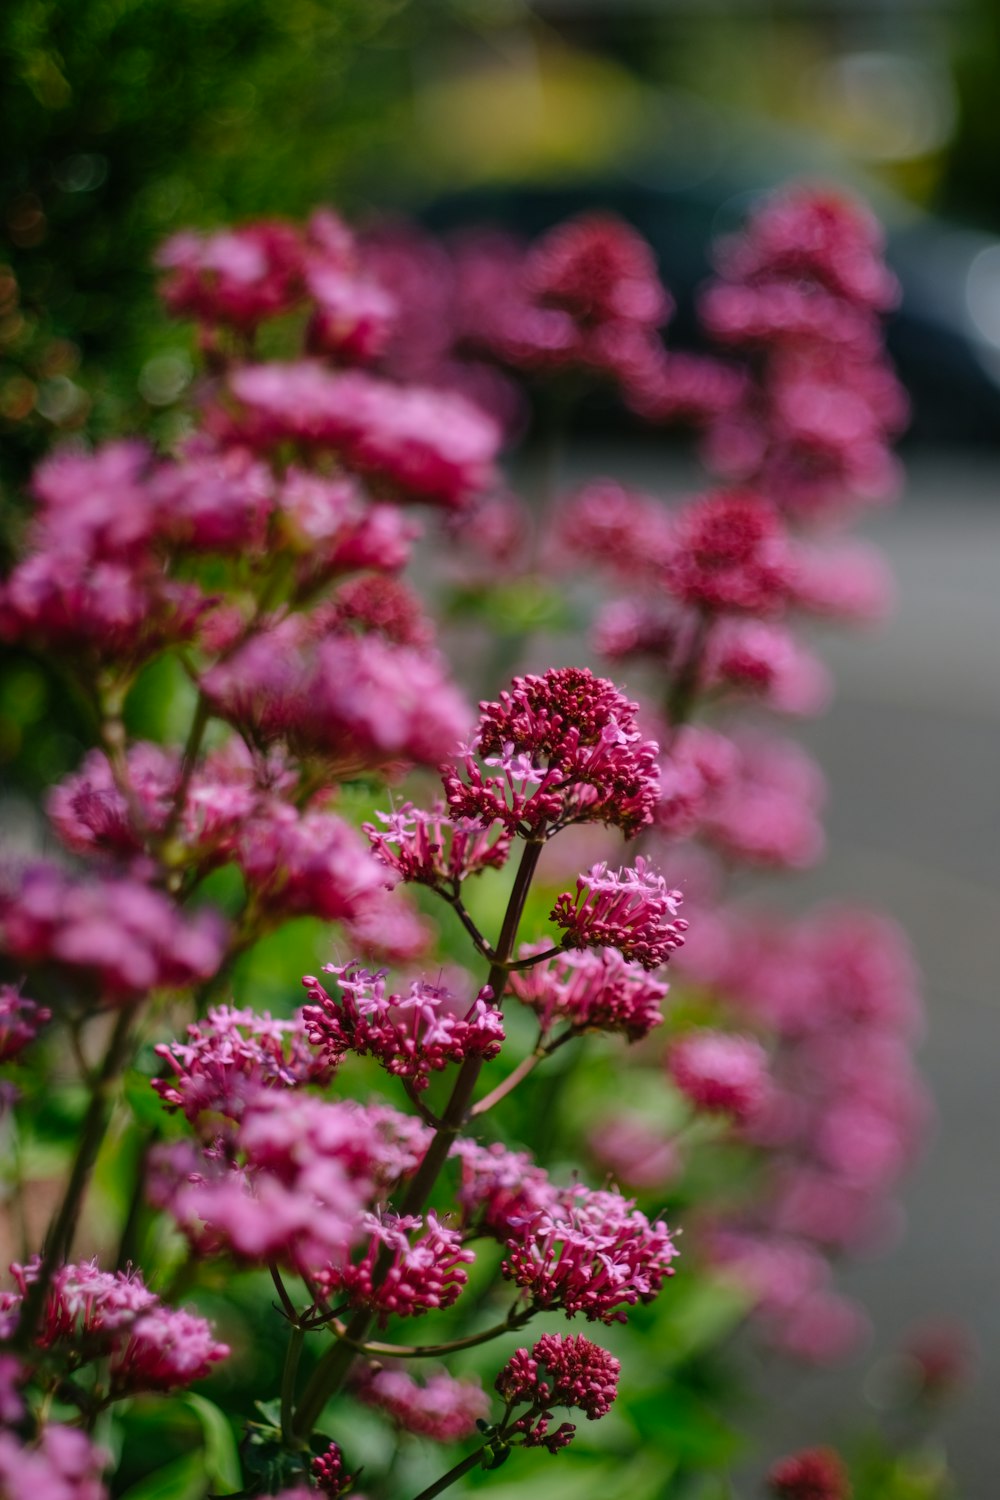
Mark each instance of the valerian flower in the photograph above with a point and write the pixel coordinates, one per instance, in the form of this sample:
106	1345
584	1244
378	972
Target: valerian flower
567	750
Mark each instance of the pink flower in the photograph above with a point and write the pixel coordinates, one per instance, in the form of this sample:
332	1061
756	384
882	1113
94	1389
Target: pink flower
121	935
812	1474
431	848
814	232
357	700
618	530
767	813
293	1183
501	1191
561	1370
568	750
411	1034
238	277
21	1020
119	611
61	1464
424	1273
600	270
717	1070
628	909
593	990
353	316
166	1348
214	500
731	553
308	864
92	1314
590	1252
443	1409
428	445
379	605
232	1055
330	1472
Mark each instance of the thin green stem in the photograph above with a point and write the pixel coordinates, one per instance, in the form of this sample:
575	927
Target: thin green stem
196	734
436	1351
684	687
59	1239
447	1480
514	1077
288	1378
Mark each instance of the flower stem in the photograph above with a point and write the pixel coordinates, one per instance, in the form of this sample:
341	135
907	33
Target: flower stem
440	1485
63	1227
331	1370
435	1351
293	1354
684	688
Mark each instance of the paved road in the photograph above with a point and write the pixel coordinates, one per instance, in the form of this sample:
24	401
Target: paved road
912	749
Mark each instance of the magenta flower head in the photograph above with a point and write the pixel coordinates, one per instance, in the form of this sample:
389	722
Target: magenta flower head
21	1020
228	1058
92	1314
431	848
123	937
426	1269
443	1409
61	1464
412	1034
592	990
561	1370
718	1071
567	750
330	1472
631	909
590	1252
813	1474
731	554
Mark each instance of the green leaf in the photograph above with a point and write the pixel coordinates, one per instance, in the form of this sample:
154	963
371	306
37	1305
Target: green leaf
182	1479
221	1459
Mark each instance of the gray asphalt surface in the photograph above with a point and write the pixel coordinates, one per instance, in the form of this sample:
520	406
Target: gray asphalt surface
911	747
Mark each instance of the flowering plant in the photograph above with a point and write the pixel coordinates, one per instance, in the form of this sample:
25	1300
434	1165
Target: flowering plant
363	1157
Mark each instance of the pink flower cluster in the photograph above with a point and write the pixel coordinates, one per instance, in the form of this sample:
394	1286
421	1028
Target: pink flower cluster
561	1370
813	1474
500	1190
592	1252
801	289
431	848
631	909
592	990
293	1182
415	443
718	1070
229	1057
21	1020
356	700
843	1112
61	1464
409	1266
330	1472
116	934
93	1314
585	298
753	797
443	1409
412	1034
92	584
568	750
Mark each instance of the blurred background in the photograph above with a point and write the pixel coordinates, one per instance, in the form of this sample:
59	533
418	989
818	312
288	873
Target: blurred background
124	120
